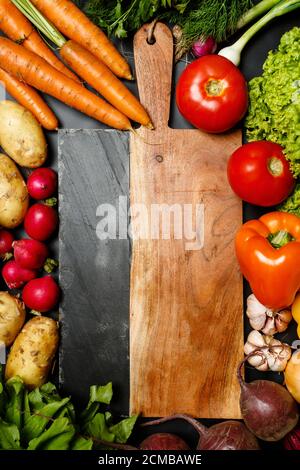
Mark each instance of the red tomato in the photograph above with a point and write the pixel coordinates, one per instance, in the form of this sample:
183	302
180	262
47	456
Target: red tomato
212	94
259	173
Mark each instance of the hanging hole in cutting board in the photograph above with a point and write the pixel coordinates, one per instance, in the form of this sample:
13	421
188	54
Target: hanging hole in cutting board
151	38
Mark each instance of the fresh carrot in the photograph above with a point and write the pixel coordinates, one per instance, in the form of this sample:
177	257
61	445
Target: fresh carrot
30	99
74	24
35	71
88	67
100	77
16	26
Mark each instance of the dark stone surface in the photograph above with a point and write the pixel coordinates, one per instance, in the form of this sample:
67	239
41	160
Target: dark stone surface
94	273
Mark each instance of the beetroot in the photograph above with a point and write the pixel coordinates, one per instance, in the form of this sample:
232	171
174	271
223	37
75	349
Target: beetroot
30	254
268	409
41	294
41	221
164	441
6	241
292	440
229	435
15	276
42	183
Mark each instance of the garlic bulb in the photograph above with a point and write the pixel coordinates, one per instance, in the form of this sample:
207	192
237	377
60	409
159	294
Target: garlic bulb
272	354
266	320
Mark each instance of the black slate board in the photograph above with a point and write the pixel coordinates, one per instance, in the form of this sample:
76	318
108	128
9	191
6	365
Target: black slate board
94	272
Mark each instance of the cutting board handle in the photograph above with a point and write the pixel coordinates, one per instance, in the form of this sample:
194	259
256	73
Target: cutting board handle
154	64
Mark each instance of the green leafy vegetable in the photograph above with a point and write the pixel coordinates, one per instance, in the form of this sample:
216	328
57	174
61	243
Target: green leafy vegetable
97	428
123	430
101	394
292	204
43	420
98	394
57	437
274	112
14	406
196	18
81	443
9	436
39	420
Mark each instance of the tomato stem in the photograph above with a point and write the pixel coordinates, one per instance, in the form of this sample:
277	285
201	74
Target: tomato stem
275	166
214	87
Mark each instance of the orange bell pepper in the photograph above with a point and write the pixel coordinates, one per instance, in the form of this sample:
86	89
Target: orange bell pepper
273	273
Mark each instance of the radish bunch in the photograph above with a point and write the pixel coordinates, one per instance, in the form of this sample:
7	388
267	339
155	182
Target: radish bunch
31	255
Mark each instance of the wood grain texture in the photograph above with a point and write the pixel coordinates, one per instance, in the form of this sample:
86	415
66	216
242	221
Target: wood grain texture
94	273
186	307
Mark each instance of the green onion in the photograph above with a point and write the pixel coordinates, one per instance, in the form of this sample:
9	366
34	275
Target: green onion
233	53
256	11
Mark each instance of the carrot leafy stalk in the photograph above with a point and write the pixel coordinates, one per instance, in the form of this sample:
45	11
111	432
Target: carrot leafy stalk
75	25
20	30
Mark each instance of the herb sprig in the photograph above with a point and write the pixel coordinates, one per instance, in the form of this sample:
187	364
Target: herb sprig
217	18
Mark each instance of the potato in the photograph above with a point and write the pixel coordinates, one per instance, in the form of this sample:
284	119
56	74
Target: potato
12	317
14	197
33	351
21	136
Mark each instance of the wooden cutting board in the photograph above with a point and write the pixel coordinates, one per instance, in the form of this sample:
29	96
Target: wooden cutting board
186	307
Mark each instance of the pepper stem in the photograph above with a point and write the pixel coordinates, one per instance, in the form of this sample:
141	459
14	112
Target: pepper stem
281	238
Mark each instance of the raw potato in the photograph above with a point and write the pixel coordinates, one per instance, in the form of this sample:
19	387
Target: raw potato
21	136
33	351
12	317
14	197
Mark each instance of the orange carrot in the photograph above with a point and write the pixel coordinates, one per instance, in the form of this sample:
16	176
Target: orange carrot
30	99
100	77
88	67
35	71
74	24
16	26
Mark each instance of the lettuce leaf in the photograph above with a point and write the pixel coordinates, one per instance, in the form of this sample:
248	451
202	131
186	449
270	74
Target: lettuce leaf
274	111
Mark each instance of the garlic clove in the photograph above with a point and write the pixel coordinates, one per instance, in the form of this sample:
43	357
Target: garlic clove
256	312
256	339
270	327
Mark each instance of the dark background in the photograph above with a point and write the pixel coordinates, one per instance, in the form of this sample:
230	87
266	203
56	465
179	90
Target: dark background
253	58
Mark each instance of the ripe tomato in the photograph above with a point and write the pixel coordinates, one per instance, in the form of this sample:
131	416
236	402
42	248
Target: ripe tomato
259	173
212	94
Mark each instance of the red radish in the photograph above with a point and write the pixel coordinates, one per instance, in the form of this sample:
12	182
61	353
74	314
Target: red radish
15	276
40	221
204	46
30	254
6	241
42	183
164	441
41	294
